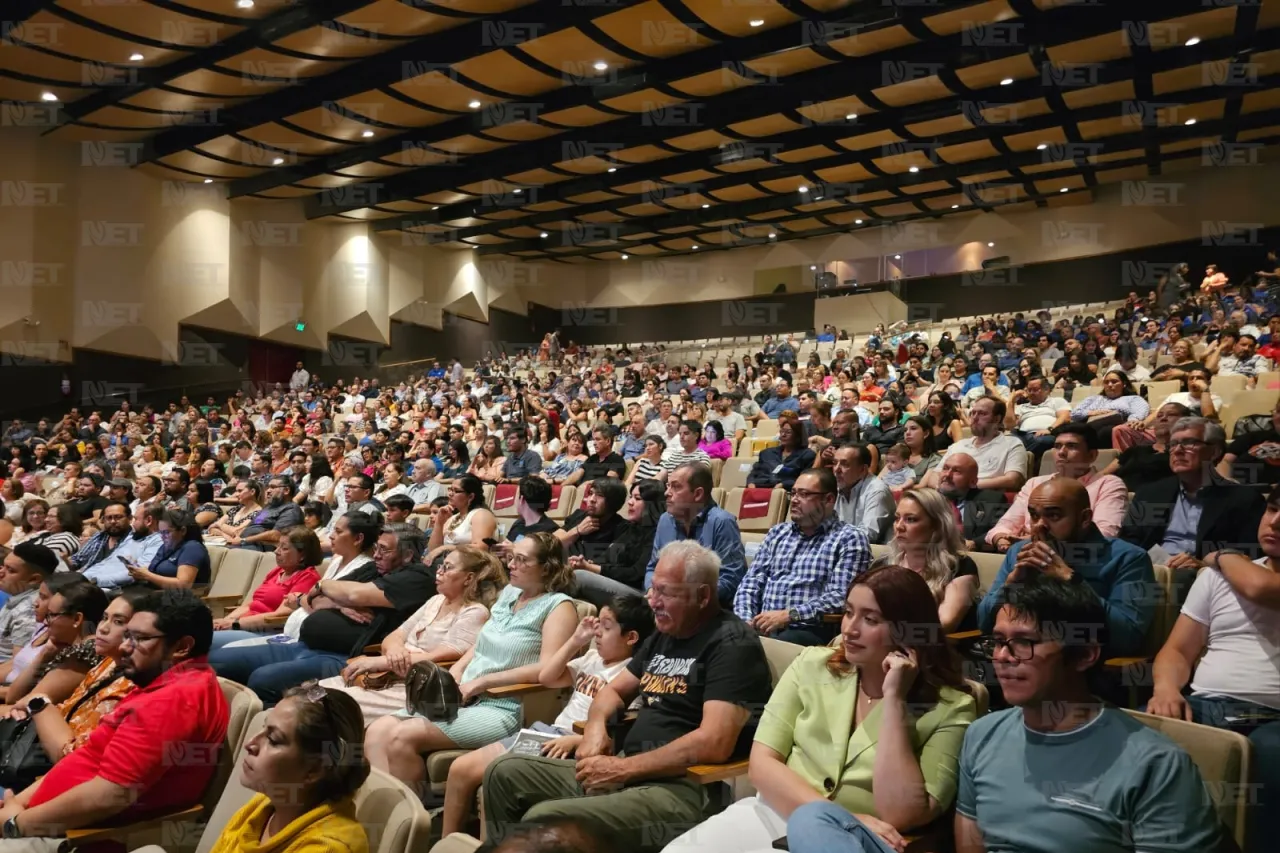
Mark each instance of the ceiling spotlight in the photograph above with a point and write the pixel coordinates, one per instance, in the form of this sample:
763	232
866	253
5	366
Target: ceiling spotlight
813	266
601	66
803	189
48	96
277	161
773	235
955	207
613	169
135	57
517	191
897	257
1042	146
367	134
914	169
475	105
1189	122
857	222
625	256
244	4
1064	190
756	22
695	247
1008	81
1193	41
208	180
544	235
991	245
705	206
437	207
850	116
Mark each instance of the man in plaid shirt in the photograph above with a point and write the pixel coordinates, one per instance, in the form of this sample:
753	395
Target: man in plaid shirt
804	567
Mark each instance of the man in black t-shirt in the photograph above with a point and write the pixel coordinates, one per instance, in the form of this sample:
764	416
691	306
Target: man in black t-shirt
1253	458
589	531
532	501
88	501
703	672
603	462
344	616
1147	463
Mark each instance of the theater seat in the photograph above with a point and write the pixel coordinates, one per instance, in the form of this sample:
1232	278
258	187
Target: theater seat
735	471
756	509
234	578
562	502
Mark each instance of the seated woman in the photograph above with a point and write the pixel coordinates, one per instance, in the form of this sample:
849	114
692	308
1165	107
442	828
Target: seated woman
248	495
781	464
442	631
531	620
488	462
24	657
1077	372
305	766
392	482
464	520
879	705
35	514
1118	403
713	442
567	463
298	557
62	529
456	461
620	569
917	435
648	464
200	494
64	728
183	561
927	540
70	614
947	420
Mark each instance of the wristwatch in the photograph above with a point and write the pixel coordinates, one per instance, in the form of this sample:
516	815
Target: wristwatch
35	705
793	615
11	829
235	625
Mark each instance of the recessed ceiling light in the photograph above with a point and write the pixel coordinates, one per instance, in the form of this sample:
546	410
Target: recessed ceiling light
135	57
955	207
601	66
897	257
367	134
244	4
1189	122
517	191
991	245
813	266
695	247
914	169
1193	41
277	161
625	256
544	235
850	116
773	235
1042	146
1064	190
756	22
705	206
48	96
475	105
208	180
437	207
613	169
1008	81
857	222
803	189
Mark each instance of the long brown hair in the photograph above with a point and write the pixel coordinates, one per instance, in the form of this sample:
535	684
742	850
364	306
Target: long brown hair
907	604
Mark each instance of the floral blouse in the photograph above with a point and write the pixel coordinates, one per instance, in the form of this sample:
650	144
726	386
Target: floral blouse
85	718
82	652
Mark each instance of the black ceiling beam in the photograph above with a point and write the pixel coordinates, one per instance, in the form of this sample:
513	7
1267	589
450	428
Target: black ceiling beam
1246	32
256	34
1068	23
17	11
579	93
438	49
684	219
701	160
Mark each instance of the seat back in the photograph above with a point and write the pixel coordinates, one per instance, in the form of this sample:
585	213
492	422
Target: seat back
751	544
756	509
392	815
735	471
236	571
562	502
504	500
766	428
779	655
760	444
242	705
1223	758
1158	392
216	555
988	568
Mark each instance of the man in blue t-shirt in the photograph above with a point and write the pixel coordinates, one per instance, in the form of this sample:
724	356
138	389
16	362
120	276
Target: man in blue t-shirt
1061	771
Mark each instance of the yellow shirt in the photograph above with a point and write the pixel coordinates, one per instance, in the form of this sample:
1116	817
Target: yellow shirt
809	721
330	828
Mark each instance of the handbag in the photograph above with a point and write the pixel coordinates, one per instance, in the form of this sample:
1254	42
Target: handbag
431	692
375	680
22	757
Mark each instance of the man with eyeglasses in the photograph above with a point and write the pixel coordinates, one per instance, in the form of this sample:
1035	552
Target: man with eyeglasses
278	517
155	753
1182	518
137	548
1067	545
115	527
1061	771
804	567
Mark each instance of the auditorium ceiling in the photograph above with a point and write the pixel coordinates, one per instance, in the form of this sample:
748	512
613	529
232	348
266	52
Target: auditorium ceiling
573	130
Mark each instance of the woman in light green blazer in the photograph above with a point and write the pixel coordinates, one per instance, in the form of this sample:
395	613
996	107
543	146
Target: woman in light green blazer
888	702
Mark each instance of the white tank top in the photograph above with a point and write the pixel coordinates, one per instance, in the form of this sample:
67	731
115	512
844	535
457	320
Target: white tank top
460	535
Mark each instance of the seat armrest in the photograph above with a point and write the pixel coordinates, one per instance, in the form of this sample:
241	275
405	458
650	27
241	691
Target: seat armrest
963	635
222	600
510	691
706	774
1120	663
96	834
275	619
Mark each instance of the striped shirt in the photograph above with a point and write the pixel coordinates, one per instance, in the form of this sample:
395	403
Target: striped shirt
808	574
1131	405
673	457
646	470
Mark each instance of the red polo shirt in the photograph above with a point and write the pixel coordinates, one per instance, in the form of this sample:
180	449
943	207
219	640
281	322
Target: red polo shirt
162	741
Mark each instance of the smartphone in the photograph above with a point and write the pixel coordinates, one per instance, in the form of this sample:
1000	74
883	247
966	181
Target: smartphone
490	541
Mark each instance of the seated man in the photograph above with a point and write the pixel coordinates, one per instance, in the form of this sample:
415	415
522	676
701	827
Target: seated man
603	462
278	517
1226	647
155	752
533	499
1195	512
599	537
343	616
138	547
862	498
1146	463
1253	458
692	514
24	569
979	509
1075	452
1002	460
1067	545
424	488
702	681
1034	415
101	545
803	568
1061	772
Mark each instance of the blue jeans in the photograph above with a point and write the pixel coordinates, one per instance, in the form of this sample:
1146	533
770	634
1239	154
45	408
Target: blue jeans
1261	725
221	638
824	827
269	669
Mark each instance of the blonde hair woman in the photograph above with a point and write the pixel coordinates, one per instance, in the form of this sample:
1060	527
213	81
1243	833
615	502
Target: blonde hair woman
927	540
442	631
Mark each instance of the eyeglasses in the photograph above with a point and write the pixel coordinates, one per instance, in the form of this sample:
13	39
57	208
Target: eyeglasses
1019	648
50	614
807	494
1187	444
138	639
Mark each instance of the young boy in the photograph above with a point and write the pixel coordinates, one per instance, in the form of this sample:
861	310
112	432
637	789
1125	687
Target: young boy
622	626
896	474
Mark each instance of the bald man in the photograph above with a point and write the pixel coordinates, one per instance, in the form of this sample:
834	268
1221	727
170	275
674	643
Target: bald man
980	509
1066	544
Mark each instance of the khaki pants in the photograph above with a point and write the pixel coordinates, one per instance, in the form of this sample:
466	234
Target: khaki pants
31	845
649	815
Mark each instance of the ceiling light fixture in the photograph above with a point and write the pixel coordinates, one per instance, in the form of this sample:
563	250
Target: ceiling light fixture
773	235
705	206
695	247
613	169
756	22
991	245
1064	190
544	235
517	191
1008	81
1042	146
278	161
367	134
135	57
850	116
48	96
475	105
914	169
244	4
897	257
1189	122
857	222
625	256
955	207
1193	41
813	266
208	180
802	189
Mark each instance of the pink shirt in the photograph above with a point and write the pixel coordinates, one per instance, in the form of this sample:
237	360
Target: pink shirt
1107	495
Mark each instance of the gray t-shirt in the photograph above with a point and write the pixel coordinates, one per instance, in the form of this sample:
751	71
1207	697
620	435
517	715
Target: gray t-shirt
1112	785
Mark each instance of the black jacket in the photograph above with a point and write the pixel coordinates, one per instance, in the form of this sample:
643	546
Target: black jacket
983	509
774	469
1230	517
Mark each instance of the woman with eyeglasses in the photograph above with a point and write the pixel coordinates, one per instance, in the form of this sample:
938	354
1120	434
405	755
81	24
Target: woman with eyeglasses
23	658
298	557
305	767
67	653
463	520
531	620
183	560
887	704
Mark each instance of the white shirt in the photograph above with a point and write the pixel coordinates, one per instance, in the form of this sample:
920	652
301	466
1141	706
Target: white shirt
1000	455
1184	398
1242	657
590	674
300	380
1033	417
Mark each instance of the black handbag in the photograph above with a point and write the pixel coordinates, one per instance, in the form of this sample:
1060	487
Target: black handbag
22	757
430	691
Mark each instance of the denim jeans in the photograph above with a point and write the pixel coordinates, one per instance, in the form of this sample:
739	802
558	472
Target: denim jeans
221	638
598	589
269	669
1261	725
824	827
